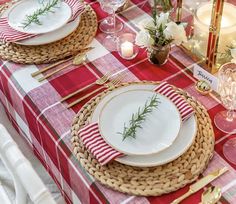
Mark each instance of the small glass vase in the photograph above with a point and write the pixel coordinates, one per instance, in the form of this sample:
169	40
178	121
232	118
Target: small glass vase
158	54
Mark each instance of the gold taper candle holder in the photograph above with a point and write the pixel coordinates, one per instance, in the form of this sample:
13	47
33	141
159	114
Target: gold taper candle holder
214	34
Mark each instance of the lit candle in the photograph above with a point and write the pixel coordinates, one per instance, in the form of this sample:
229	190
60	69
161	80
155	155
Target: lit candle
127	49
202	21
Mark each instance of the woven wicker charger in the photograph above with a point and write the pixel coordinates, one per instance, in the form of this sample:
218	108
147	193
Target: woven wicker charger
152	181
69	45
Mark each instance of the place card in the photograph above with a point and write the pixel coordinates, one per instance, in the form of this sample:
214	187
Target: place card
201	74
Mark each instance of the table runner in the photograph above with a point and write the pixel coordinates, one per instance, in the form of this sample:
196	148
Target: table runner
44	122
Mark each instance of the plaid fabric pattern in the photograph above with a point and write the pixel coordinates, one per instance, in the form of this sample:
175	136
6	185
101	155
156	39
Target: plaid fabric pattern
44	122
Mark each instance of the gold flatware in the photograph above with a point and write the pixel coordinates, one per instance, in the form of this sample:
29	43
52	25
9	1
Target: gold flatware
201	183
81	52
50	67
100	81
76	61
211	195
109	85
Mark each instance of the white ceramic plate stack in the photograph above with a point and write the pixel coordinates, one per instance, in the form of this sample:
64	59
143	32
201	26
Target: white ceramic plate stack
162	138
55	26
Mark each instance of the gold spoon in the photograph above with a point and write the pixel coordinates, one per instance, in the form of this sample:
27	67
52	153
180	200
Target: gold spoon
78	59
80	52
211	195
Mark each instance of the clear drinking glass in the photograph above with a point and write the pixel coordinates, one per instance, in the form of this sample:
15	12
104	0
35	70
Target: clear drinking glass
109	25
226	120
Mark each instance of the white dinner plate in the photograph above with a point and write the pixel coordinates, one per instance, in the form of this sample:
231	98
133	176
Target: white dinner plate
51	36
153	137
180	145
49	22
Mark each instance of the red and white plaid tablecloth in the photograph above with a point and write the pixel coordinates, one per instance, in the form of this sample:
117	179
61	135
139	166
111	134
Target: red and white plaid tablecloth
44	122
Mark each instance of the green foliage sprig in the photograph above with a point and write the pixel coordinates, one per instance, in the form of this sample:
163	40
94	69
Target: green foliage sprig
34	17
139	117
157	32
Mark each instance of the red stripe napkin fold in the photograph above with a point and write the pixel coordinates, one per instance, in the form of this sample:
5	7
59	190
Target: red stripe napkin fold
104	153
9	34
76	7
93	141
184	108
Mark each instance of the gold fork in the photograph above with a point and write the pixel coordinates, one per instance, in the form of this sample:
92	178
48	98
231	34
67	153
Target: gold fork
100	81
109	85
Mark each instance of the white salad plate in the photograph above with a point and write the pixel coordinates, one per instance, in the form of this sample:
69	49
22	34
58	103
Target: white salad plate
50	37
49	22
183	141
153	137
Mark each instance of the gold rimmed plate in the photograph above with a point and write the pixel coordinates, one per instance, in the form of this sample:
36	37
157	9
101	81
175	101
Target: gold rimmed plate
158	131
49	22
49	37
180	145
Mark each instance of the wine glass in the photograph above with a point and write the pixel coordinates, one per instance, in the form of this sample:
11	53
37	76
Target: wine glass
226	120
109	25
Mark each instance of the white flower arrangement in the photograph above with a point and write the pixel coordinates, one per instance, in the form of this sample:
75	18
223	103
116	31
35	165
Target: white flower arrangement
160	31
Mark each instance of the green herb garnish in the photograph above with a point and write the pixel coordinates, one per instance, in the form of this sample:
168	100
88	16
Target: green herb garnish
156	32
139	117
34	17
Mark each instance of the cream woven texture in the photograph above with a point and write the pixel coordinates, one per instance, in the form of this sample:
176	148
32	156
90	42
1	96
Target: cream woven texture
152	181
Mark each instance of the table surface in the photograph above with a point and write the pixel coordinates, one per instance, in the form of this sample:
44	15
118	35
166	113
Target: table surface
44	122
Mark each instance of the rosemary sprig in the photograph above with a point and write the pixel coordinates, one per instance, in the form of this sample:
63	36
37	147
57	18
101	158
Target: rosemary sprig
34	17
139	117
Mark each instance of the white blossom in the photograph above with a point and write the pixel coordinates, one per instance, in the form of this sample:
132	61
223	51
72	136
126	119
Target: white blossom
163	19
151	32
146	23
143	39
175	32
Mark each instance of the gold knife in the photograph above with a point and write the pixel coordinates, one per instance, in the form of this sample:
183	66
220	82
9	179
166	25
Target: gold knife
200	184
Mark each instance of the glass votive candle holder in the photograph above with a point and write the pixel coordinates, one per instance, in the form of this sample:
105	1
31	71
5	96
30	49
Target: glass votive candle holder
126	46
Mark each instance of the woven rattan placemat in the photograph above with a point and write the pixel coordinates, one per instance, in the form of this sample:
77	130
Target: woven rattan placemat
77	40
152	181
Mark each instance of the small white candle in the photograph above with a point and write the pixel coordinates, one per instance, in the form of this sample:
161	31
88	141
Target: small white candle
127	49
228	26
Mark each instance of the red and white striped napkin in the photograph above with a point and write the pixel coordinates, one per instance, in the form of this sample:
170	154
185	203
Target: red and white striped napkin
104	153
184	108
9	34
93	141
76	7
